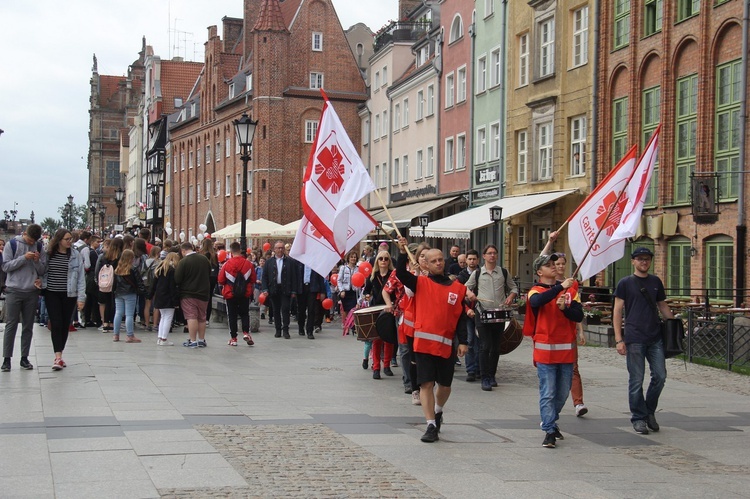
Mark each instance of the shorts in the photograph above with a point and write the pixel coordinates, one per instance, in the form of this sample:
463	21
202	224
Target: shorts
103	298
194	308
432	368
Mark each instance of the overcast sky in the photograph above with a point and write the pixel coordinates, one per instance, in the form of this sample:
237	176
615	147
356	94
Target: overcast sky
45	68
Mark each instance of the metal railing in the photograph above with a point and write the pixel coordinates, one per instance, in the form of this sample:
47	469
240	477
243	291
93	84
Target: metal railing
722	339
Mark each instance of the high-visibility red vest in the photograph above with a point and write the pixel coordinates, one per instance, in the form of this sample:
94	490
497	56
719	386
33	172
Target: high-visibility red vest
406	321
438	309
554	334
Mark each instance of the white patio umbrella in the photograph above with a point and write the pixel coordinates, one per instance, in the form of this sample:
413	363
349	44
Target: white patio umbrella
287	230
253	228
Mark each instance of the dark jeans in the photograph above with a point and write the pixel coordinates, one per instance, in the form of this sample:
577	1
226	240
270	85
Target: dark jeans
281	303
490	336
309	311
238	306
60	308
472	356
20	306
636	357
91	308
554	385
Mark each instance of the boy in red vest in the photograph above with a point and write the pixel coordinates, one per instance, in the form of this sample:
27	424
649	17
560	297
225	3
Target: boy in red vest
552	311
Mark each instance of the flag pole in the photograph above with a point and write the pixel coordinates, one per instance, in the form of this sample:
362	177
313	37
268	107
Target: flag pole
388	213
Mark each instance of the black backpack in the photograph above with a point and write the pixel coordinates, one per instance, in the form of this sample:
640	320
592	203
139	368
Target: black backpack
239	288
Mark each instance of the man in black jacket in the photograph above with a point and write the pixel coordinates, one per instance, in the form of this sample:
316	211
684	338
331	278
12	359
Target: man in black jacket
281	282
311	291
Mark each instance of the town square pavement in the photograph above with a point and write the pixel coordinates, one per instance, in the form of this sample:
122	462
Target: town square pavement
301	418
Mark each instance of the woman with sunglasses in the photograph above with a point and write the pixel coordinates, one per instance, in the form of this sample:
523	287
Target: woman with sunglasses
374	294
64	284
347	291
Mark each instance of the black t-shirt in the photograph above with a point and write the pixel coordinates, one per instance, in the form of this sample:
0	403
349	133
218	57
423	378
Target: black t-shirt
641	320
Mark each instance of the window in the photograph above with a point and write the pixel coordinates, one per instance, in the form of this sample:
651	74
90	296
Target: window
208	188
405	169
420	105
650	116
430	100
112	173
377	80
238	184
494	141
720	268
449	90
396	117
460	152
366	132
727	123
619	129
218	152
578	146
228	186
249	185
523	60
481	154
461	97
544	141
449	155
198	193
420	162
430	161
581	36
228	146
523	156
249	82
316	80
191	157
377	127
687	8
199	156
376	177
311	131
482	74
218	188
686	127
183	199
396	177
622	23
385	76
495	70
653	15
457	29
489	8
423	55
384	170
406	113
317	41
546	47
678	267
231	90
385	124
182	161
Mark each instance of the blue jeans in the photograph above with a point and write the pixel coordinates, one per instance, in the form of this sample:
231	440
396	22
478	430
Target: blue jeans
637	354
554	386
125	305
472	356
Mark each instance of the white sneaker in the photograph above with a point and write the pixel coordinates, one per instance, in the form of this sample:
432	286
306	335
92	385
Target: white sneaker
415	398
581	409
164	343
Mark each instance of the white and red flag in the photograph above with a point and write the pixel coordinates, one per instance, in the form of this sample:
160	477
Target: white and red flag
637	188
595	220
335	180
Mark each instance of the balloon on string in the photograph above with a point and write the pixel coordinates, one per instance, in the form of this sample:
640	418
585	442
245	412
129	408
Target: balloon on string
202	227
365	268
221	255
182	237
168	230
266	246
358	279
334	279
262	298
200	237
327	304
207	235
168	225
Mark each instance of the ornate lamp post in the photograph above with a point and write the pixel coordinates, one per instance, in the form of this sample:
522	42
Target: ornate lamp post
155	174
119	196
93	208
424	220
245	128
69	207
102	217
496	215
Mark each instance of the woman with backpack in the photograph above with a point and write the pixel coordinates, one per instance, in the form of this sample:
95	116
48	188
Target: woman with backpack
64	283
165	296
128	285
105	280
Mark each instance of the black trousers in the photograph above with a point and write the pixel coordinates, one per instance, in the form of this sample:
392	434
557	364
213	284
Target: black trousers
309	311
60	309
490	337
281	311
238	306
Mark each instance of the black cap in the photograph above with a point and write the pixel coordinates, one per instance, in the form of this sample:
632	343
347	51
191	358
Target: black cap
544	260
641	251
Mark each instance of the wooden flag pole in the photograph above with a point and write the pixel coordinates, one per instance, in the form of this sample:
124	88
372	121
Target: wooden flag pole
388	213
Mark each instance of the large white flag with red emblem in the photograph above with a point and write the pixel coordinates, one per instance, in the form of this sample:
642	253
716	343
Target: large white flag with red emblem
594	222
335	180
312	249
637	188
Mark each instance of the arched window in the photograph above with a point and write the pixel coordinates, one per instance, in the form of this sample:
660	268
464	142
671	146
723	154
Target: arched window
457	29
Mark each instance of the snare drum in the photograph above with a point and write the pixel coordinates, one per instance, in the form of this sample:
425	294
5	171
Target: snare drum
495	315
364	322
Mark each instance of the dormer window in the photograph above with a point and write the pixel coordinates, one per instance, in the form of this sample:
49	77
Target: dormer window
231	90
423	55
177	102
249	82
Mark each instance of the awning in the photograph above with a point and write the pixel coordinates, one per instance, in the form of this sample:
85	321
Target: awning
404	214
460	225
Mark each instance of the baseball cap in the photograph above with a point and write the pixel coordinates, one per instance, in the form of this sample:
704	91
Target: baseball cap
641	251
544	260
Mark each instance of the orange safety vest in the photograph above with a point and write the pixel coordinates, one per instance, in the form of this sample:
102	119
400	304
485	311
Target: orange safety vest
438	309
406	321
554	334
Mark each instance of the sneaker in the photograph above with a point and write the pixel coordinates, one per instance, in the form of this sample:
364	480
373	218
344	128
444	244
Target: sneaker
328	320
6	365
132	339
164	343
310	336
232	342
581	409
407	390
90	324
471	377
115	337
651	423
72	329
42	324
202	343
557	434
150	329
376	374
387	371
79	325
25	364
431	435
316	330
277	335
641	427
394	363
286	336
248	339
438	420
63	363
365	364
57	365
486	385
493	382
262	316
190	344
549	441
415	398
458	362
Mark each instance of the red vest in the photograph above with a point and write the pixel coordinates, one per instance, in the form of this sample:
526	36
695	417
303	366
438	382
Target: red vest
554	334
438	309
406	321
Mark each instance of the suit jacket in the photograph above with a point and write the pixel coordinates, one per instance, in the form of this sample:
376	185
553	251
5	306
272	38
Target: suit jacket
317	281
289	278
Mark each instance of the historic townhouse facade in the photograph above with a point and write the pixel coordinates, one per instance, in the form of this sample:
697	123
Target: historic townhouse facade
682	64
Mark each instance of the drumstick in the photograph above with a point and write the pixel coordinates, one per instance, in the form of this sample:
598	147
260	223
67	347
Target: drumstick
406	247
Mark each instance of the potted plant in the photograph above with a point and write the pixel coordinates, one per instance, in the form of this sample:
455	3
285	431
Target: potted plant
593	315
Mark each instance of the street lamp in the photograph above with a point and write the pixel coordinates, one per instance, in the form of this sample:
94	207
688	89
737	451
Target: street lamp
424	220
119	196
93	208
154	179
102	219
69	207
245	128
496	215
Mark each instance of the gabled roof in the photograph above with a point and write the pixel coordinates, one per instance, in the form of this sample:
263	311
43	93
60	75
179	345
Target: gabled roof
289	10
109	86
177	80
270	17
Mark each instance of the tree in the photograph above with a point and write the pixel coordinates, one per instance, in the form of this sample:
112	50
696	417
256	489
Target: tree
50	225
79	218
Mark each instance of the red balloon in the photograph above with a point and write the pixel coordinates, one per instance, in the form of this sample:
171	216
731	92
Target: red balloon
262	298
365	268
221	255
358	279
334	279
266	246
327	304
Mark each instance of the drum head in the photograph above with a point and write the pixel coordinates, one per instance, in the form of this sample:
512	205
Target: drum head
512	337
386	327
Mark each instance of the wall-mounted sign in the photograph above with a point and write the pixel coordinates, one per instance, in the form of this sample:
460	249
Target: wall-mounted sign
487	175
485	194
414	193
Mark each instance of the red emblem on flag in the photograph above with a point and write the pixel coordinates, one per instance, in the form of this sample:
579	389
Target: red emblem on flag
330	169
609	224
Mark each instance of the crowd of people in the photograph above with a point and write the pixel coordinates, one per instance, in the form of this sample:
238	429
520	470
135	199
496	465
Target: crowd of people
444	308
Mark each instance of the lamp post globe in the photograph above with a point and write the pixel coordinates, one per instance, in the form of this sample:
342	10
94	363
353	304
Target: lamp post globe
245	130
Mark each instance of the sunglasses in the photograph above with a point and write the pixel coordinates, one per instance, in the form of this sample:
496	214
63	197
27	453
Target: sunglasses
383	259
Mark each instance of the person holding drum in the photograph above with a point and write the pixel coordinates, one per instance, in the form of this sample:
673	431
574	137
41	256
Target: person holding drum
348	292
374	294
495	291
